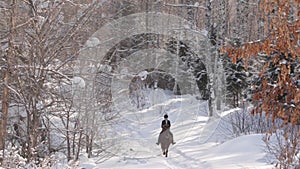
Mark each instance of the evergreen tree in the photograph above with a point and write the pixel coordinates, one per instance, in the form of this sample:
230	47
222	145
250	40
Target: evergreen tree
236	81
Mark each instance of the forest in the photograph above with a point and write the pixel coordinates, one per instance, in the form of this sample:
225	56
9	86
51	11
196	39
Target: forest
72	69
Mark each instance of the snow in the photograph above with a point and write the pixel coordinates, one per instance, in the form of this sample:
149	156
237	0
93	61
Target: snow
92	42
143	75
78	82
242	152
191	127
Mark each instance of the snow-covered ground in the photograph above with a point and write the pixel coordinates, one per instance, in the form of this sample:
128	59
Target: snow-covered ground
197	142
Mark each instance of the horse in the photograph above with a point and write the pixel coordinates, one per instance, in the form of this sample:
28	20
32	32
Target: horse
165	139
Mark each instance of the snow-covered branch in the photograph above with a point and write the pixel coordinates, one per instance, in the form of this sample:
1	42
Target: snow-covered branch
186	5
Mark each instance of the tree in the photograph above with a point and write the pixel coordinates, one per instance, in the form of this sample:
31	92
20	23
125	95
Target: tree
279	95
42	44
236	81
9	56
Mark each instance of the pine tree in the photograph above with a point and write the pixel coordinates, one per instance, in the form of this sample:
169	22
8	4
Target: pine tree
236	81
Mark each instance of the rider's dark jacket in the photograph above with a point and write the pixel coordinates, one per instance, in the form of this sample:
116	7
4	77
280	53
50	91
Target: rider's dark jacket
165	124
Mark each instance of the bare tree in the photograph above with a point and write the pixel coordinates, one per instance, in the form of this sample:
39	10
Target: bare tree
42	45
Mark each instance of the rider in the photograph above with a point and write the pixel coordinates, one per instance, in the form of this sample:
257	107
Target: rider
166	124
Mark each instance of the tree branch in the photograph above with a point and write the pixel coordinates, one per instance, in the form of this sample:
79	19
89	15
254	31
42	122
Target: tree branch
185	5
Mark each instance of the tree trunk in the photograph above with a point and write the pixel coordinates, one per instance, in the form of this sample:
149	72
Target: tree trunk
90	147
74	137
87	140
209	28
68	137
242	30
5	95
79	144
89	144
221	40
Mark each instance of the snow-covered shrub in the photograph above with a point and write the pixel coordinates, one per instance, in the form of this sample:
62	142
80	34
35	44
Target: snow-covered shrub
241	122
13	159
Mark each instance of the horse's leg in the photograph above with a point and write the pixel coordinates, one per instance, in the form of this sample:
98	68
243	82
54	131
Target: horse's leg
162	148
167	153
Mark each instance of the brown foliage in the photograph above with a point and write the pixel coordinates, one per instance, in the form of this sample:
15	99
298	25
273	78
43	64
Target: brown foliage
278	97
283	39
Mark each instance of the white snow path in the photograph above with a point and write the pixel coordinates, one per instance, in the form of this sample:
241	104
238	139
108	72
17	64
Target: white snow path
192	129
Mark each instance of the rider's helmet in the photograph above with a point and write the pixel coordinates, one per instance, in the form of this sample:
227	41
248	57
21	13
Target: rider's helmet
165	116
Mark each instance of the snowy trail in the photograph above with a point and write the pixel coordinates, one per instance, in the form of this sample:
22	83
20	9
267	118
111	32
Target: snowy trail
191	128
187	117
